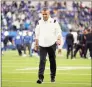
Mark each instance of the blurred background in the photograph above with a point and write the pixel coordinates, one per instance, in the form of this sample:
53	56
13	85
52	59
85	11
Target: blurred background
23	16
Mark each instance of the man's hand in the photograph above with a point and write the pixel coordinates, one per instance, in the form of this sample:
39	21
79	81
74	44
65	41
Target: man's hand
36	48
36	45
58	42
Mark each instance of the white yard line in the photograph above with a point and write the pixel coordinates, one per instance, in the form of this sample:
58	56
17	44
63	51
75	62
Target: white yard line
58	73
47	82
63	65
59	68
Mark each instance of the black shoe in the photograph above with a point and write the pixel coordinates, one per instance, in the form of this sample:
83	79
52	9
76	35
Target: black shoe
39	81
52	80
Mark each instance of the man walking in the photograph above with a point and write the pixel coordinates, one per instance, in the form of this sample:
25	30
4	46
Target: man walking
48	33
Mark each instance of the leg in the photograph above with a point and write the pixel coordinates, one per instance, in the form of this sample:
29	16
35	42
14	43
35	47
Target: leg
19	50
43	53
80	50
52	58
76	50
71	52
86	49
29	47
90	49
68	51
24	48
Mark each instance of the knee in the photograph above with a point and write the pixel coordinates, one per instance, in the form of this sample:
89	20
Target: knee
42	60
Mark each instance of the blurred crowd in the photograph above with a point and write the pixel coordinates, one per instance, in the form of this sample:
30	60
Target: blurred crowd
24	15
79	41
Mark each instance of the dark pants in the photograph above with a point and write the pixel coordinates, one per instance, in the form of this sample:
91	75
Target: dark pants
78	47
88	46
27	45
5	41
19	48
83	51
69	50
52	58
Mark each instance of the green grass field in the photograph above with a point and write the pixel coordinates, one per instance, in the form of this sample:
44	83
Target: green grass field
22	71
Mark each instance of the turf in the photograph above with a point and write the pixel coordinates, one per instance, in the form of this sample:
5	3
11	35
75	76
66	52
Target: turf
22	71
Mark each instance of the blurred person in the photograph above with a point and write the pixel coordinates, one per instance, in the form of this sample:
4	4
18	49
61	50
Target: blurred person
55	14
70	43
75	38
59	6
29	4
18	42
9	15
2	43
48	33
22	15
80	43
4	24
16	23
39	5
46	4
88	38
27	24
83	43
27	41
14	16
5	39
22	4
65	4
14	4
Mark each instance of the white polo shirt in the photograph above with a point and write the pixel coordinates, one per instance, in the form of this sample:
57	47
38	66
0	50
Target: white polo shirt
47	32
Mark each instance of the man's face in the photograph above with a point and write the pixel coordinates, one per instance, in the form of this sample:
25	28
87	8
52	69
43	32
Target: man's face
45	15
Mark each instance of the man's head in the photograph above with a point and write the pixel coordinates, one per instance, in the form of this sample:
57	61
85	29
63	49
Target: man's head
45	13
70	30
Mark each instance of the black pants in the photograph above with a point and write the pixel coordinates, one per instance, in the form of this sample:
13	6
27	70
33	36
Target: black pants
27	45
69	50
19	48
83	51
52	58
88	46
5	41
78	47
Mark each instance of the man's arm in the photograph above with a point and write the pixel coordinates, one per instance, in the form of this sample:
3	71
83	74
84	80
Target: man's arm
67	38
58	33
73	38
37	32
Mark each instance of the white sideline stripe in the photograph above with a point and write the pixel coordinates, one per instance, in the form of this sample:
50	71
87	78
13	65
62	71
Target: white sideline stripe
59	68
63	65
37	59
36	63
47	73
86	83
